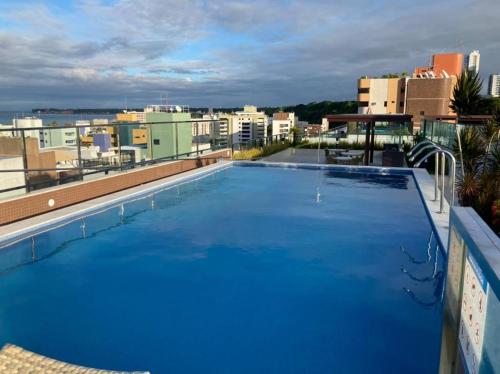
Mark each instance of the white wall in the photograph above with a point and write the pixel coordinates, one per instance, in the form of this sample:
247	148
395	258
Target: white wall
14	179
378	95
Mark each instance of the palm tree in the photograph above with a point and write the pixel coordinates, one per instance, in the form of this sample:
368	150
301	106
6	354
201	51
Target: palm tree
467	94
294	131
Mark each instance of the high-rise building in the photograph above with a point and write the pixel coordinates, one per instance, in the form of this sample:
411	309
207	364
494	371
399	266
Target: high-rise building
246	125
494	85
472	62
381	95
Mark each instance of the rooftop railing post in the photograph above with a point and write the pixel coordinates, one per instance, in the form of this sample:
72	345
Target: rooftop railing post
150	141
367	143
372	141
79	152
197	139
176	141
443	167
25	162
118	144
436	176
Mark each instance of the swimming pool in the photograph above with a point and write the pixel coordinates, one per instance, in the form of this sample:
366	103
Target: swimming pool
247	269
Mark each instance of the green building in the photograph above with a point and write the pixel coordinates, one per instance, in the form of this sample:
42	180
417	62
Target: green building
168	139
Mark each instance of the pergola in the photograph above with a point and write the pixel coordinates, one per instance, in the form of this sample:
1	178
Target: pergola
369	120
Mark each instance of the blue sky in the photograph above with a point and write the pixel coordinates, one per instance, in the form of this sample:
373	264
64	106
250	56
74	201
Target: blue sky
95	53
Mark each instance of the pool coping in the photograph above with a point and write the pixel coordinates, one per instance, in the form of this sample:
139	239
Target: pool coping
14	232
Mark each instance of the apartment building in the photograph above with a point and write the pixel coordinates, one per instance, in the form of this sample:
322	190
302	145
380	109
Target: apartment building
58	137
27	122
381	95
429	97
164	138
246	125
282	123
494	85
472	61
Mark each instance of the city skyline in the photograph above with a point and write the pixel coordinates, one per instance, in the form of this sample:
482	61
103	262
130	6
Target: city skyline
225	54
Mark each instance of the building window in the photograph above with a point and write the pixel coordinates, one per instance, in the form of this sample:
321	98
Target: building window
374	104
422	113
401	103
402	89
156	141
363	90
385	104
363	103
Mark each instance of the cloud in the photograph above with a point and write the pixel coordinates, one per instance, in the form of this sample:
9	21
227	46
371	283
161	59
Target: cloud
226	53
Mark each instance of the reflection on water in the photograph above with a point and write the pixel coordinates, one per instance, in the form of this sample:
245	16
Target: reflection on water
381	180
436	276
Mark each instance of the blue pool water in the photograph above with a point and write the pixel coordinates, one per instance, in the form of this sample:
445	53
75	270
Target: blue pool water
247	270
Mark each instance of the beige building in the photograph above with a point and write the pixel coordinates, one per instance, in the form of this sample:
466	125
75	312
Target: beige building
245	126
381	95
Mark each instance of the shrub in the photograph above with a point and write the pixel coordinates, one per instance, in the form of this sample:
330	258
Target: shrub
255	153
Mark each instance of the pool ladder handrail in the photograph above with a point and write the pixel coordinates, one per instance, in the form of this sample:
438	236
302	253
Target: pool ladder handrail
444	153
418	145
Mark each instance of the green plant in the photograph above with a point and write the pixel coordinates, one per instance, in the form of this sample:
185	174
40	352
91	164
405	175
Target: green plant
295	132
478	183
255	153
467	94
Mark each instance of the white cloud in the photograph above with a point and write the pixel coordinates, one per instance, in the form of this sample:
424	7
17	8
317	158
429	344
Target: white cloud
218	53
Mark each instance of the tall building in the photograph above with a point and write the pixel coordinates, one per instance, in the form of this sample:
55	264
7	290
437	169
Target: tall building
246	125
282	123
429	97
443	65
494	85
472	62
381	95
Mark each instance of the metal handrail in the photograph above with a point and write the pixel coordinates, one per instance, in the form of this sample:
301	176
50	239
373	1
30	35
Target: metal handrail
444	153
412	158
416	146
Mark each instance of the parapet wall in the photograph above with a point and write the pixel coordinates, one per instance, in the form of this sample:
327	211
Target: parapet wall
49	199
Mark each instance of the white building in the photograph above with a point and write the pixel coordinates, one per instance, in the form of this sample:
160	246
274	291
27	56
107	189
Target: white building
245	126
282	123
494	85
58	137
27	122
472	62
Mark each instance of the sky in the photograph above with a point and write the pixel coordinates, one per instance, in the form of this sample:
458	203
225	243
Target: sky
214	53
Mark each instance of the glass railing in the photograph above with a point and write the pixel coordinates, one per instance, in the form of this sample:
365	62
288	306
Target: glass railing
442	133
40	157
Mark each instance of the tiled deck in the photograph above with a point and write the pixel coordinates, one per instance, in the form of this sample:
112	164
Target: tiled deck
15	360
